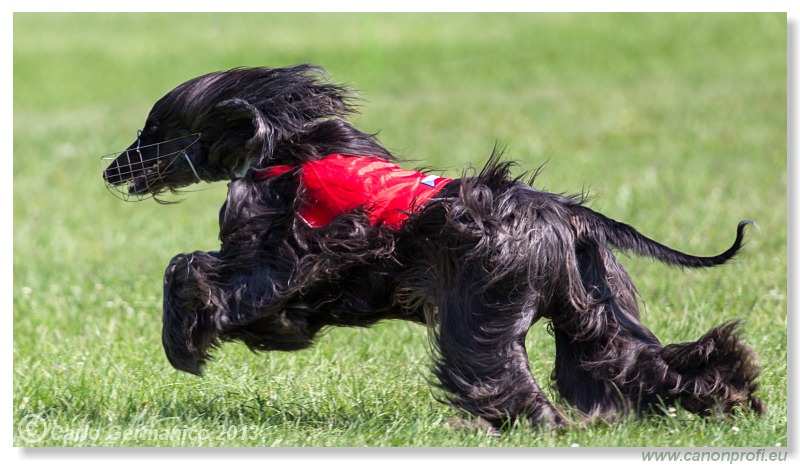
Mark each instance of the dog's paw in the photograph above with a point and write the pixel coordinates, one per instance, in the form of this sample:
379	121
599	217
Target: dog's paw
188	332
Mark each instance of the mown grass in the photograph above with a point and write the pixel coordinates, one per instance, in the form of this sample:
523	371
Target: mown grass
676	123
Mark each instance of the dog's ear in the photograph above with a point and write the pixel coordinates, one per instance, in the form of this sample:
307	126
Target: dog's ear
241	133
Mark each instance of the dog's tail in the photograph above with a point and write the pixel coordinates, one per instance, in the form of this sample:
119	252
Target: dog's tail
627	238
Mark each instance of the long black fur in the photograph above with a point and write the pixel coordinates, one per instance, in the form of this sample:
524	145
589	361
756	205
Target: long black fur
478	264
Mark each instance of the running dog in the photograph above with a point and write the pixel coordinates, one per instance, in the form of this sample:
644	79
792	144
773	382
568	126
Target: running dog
322	228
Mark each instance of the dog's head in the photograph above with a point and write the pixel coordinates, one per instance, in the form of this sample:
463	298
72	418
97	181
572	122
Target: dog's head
219	125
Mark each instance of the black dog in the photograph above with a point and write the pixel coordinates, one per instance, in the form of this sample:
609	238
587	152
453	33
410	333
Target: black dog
478	259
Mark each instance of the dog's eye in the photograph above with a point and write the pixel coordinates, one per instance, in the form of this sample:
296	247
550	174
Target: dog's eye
151	125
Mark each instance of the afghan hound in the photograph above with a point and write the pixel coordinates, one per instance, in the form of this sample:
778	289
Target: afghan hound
322	228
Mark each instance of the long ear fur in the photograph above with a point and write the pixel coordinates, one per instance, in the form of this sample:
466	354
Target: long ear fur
241	133
278	116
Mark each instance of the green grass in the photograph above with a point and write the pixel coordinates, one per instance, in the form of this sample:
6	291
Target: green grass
676	123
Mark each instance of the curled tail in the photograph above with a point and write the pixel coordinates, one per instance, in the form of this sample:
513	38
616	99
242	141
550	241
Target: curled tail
625	237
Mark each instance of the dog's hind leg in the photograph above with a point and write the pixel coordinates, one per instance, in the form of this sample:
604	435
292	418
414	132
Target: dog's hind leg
480	358
608	363
714	374
600	343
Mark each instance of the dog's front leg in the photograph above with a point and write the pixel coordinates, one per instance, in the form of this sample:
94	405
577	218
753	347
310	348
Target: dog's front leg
191	298
211	297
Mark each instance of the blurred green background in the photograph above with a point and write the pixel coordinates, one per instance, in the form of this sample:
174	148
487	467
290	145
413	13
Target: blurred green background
676	123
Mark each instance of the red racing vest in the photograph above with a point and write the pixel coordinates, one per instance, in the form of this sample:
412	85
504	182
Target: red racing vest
338	184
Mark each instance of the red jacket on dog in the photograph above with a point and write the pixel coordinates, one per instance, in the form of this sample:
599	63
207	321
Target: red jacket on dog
338	184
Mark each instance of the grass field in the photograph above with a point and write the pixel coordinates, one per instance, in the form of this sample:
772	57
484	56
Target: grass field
675	123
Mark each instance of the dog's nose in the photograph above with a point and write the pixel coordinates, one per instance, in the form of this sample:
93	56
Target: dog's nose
112	174
122	166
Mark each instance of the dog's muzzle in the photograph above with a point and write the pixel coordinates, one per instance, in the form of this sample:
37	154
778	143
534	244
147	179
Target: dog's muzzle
134	174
